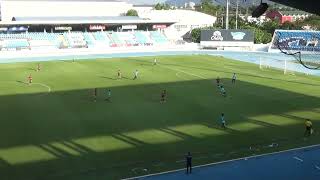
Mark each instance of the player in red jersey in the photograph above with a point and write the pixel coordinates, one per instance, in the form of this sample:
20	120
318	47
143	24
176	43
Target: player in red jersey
30	79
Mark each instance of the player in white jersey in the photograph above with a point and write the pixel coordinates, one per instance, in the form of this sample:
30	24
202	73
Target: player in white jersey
136	74
234	78
155	61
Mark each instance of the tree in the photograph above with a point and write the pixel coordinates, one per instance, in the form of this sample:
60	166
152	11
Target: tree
262	36
289	26
158	6
312	21
132	12
208	7
270	26
166	6
232	23
195	35
162	6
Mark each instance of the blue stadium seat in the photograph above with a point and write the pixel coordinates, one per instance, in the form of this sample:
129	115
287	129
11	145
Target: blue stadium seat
82	39
102	37
141	38
15	43
158	37
297	40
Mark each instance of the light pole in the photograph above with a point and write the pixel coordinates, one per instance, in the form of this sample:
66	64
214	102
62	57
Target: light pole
237	9
227	15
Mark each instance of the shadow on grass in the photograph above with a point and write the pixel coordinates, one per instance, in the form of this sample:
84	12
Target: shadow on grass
135	128
262	123
175	133
216	126
294	117
115	78
76	148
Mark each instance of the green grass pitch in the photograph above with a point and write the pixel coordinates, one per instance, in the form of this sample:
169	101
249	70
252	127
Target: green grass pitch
53	129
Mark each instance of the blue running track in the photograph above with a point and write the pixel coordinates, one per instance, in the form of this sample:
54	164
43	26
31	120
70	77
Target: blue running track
296	164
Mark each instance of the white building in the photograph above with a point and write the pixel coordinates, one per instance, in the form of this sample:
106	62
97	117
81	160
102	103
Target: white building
186	21
189	5
143	8
255	20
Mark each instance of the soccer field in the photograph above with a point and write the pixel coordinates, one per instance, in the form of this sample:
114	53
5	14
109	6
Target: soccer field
52	129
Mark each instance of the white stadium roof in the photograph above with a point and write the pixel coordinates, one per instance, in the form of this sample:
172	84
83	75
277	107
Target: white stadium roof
33	12
85	20
183	16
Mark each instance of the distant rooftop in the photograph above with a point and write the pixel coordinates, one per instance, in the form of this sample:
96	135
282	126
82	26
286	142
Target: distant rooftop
85	20
143	5
293	12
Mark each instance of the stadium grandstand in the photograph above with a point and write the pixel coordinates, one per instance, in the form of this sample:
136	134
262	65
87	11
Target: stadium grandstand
297	40
98	24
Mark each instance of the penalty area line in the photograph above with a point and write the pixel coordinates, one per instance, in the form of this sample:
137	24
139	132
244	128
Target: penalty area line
43	85
27	84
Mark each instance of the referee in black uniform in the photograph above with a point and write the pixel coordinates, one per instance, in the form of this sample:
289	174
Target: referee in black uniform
189	162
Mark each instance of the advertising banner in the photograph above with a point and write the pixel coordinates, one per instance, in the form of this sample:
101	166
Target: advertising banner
63	28
159	26
226	38
97	27
3	29
129	27
21	28
227	35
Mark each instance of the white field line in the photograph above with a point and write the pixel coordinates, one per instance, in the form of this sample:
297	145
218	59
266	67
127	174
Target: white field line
195	75
299	159
317	167
177	74
26	83
221	162
43	85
